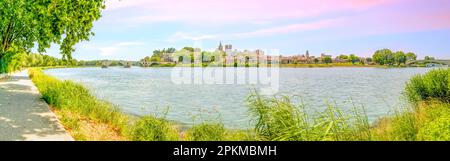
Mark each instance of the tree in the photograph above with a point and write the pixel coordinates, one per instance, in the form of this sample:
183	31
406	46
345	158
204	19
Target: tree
382	57
369	60
411	56
157	54
353	58
24	23
429	58
327	60
399	57
171	50
190	49
316	60
343	57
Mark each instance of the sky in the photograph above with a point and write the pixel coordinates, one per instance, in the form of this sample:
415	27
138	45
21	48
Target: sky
132	29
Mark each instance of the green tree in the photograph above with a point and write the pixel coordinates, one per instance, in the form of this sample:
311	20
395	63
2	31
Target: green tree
353	58
316	60
411	56
429	58
24	23
171	50
327	60
343	57
399	57
190	49
383	56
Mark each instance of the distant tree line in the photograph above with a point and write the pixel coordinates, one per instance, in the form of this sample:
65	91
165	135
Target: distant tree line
13	61
388	57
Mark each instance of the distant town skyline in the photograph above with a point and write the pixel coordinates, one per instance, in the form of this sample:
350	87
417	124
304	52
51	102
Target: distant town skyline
132	29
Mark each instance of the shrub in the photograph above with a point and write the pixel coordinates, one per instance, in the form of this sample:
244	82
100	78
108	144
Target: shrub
149	128
434	85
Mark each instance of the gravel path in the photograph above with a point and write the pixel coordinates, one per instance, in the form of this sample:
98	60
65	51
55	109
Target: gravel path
24	115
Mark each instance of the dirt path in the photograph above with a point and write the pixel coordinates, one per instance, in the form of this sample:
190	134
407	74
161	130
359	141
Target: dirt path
24	115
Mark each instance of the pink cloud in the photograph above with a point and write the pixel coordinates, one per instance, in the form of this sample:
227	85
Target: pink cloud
230	11
299	27
288	28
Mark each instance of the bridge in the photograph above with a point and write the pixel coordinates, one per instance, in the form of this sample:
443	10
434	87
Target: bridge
443	62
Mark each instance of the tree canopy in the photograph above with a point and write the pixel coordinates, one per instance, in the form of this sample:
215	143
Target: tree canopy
387	57
24	23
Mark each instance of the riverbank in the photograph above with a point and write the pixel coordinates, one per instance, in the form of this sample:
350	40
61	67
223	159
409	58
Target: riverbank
287	121
23	115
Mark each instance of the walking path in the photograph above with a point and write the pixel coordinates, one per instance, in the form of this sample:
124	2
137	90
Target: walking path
24	115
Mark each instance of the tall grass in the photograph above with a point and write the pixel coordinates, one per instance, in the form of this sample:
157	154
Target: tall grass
150	128
206	132
72	99
278	119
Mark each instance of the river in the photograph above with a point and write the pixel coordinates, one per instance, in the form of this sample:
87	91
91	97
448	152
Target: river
158	91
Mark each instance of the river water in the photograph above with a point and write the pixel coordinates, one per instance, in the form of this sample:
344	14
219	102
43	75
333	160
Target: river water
158	91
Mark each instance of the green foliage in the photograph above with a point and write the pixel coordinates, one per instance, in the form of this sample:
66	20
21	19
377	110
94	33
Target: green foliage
190	49
399	58
12	60
436	124
207	132
344	57
327	60
438	129
380	56
25	23
353	58
67	95
434	85
278	119
149	128
387	57
404	126
429	58
411	56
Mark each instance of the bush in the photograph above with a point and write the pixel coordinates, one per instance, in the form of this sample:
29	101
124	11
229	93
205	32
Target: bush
12	61
434	85
153	129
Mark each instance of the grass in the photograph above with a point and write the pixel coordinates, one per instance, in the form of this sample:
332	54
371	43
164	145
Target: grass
153	129
274	118
428	121
428	118
278	119
78	110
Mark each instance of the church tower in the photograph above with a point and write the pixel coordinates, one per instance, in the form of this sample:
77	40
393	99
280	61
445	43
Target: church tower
220	46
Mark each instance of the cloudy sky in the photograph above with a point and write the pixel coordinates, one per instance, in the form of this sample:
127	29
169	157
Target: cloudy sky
132	29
